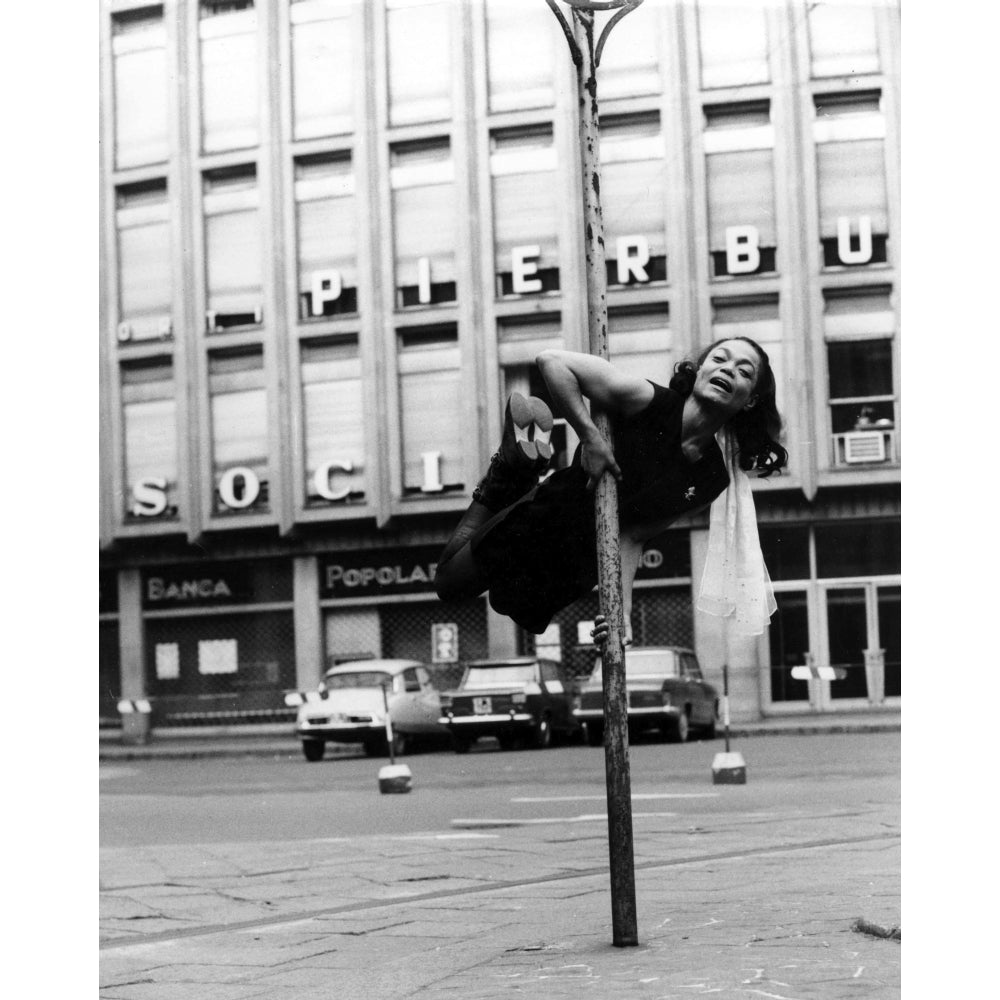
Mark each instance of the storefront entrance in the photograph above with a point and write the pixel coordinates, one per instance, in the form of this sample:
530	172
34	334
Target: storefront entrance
852	626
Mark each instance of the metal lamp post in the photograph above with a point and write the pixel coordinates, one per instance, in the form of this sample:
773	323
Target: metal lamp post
586	53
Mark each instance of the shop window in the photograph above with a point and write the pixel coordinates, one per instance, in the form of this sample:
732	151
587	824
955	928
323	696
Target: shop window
238	402
327	230
842	38
739	148
756	317
142	218
432	395
865	548
732	44
630	61
786	551
633	199
525	210
322	68
422	177
849	130
138	49
420	52
333	416
232	249
640	342
227	34
149	417
520	55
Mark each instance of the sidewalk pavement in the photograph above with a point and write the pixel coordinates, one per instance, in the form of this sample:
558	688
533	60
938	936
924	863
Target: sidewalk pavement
746	899
269	740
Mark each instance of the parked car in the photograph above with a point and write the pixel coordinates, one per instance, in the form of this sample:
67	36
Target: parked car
351	708
665	690
521	702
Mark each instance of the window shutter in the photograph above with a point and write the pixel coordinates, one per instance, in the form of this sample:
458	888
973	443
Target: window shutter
238	412
144	276
229	81
630	62
524	213
149	415
520	56
140	81
233	261
740	193
431	391
334	429
733	44
851	183
634	203
842	39
424	226
328	239
419	61
322	69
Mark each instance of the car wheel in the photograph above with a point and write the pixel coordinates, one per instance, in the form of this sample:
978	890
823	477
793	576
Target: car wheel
595	735
460	744
313	749
680	729
709	732
543	734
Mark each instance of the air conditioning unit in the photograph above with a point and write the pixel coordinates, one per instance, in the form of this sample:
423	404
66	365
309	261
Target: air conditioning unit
864	446
124	332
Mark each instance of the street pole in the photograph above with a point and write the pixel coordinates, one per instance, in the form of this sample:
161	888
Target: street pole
586	53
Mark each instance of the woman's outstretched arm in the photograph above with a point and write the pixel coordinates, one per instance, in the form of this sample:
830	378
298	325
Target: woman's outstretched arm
572	377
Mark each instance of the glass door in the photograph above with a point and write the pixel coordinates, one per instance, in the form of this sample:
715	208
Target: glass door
788	646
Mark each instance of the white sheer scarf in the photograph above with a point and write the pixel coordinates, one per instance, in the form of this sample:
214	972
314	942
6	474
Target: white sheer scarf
735	585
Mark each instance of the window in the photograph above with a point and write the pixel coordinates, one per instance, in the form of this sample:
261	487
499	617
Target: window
228	37
423	208
732	42
859	330
322	68
232	248
786	551
525	210
142	217
849	130
858	549
138	49
238	403
327	227
149	417
630	62
521	53
333	416
755	317
640	342
842	38
739	142
420	47
633	199
431	397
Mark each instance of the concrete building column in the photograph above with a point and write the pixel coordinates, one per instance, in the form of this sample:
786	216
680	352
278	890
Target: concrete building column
308	624
132	654
715	649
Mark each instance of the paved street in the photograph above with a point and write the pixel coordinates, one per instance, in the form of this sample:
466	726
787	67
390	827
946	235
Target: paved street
277	878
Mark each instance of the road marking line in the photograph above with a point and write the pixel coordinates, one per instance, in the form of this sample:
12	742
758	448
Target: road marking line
636	796
538	821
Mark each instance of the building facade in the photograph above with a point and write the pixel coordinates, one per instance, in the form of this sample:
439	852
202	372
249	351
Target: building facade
335	235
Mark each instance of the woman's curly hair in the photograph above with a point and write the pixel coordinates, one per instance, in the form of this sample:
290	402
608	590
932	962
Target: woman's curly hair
757	430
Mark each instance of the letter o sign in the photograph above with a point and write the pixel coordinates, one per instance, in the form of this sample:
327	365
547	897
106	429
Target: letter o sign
652	559
249	492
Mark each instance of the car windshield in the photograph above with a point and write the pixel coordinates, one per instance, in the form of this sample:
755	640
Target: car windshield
485	677
644	665
359	679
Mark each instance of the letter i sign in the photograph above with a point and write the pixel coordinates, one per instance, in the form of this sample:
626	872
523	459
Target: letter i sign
444	642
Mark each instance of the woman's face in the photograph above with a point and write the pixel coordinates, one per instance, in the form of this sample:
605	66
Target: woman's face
727	378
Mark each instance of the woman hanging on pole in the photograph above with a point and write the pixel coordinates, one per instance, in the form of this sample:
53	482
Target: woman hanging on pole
532	545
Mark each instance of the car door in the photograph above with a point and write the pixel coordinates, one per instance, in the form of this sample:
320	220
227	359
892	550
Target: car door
702	703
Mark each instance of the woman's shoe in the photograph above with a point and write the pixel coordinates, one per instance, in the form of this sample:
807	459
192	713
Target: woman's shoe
516	447
542	422
515	466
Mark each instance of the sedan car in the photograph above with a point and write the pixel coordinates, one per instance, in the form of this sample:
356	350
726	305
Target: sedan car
666	692
519	701
351	703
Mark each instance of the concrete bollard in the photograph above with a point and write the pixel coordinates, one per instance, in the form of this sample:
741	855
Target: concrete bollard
394	779
729	769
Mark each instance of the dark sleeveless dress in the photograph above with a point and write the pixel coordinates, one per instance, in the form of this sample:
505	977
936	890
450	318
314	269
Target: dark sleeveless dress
539	555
